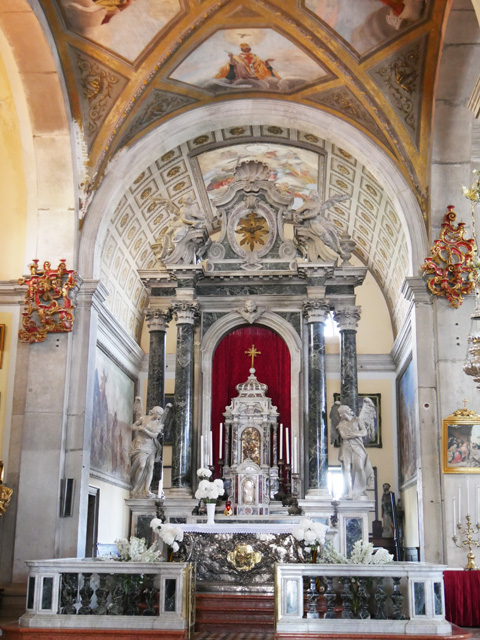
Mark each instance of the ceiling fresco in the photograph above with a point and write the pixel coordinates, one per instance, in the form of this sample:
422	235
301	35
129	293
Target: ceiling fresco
133	65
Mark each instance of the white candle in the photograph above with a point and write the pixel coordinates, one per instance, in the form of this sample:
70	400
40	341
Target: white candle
202	453
210	447
281	441
468	497
459	504
295	454
478	504
287	446
160	487
454	516
220	447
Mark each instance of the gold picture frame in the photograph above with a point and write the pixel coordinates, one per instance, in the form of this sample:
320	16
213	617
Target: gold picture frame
2	343
461	442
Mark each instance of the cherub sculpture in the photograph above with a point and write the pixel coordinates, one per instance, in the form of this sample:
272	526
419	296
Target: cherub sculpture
356	467
146	447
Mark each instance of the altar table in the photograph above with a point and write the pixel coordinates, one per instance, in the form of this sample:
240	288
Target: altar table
462	597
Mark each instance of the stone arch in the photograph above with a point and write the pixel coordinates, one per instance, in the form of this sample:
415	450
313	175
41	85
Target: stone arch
130	161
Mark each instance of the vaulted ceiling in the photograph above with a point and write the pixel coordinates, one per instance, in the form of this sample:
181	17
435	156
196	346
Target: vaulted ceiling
132	65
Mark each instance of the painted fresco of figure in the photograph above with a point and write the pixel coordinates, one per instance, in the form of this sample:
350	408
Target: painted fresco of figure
247	65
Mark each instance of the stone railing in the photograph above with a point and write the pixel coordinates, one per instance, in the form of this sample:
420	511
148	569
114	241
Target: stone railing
395	598
83	593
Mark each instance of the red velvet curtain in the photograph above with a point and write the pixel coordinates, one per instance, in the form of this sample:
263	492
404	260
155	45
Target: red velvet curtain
231	367
462	597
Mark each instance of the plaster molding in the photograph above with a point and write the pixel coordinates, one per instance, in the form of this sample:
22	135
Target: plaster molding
415	290
117	343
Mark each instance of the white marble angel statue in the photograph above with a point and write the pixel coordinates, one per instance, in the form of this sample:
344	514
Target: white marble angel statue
356	467
312	217
146	447
181	220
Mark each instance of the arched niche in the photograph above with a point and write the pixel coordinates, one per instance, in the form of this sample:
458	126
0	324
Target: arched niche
212	339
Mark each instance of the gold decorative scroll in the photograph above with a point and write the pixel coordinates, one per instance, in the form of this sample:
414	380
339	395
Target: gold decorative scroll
450	269
48	307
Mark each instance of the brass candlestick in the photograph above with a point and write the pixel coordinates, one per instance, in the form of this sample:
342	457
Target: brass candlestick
468	542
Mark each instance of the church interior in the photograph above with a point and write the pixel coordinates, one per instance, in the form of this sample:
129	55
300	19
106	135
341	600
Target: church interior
234	231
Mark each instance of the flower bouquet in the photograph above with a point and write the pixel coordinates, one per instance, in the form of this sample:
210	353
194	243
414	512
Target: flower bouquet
136	550
209	492
171	534
311	535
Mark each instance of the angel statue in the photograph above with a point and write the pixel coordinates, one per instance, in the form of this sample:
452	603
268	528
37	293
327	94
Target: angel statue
146	447
181	220
356	467
311	216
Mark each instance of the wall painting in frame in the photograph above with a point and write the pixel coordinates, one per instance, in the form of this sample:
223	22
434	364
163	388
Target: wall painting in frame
112	419
407	440
461	442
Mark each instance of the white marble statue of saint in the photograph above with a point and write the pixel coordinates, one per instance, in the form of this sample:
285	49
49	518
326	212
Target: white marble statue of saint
146	449
356	467
311	216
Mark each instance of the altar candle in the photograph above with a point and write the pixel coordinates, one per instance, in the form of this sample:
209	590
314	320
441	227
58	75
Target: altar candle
287	446
202	453
468	497
281	440
210	447
478	504
295	454
220	447
160	487
459	504
454	515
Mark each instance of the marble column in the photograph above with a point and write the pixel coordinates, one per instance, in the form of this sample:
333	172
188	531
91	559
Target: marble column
186	314
316	313
157	323
347	320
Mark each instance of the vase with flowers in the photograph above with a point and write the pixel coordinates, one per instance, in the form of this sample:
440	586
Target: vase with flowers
311	536
209	491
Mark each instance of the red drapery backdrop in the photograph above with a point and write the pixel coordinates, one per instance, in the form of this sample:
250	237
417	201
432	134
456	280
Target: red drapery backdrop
231	367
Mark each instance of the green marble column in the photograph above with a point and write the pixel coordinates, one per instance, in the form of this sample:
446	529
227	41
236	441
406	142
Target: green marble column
347	319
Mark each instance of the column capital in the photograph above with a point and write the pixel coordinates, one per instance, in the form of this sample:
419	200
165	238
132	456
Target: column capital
316	310
185	311
158	319
347	318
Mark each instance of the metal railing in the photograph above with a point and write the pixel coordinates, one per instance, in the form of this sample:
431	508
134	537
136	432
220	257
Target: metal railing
395	598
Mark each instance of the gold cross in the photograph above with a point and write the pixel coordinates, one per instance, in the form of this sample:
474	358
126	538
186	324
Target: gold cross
253	353
465	403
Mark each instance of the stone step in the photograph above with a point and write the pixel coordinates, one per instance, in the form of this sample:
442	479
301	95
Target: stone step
217	612
12	602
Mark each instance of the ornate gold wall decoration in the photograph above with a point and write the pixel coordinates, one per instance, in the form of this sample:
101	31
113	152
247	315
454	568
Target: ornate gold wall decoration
244	558
48	307
450	270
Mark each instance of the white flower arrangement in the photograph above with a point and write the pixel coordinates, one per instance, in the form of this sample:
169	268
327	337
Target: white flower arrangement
364	553
209	491
171	534
136	550
310	533
203	473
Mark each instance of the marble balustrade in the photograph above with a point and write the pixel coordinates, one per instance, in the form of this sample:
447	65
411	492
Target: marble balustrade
84	593
396	598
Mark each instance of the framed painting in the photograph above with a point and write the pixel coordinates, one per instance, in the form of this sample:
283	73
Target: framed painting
407	439
461	442
375	438
113	400
2	343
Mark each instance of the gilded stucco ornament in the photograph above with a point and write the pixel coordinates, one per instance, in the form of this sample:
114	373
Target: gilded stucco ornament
244	558
449	270
48	306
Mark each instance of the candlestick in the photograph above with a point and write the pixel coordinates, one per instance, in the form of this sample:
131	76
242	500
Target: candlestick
281	441
287	446
202	453
220	448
